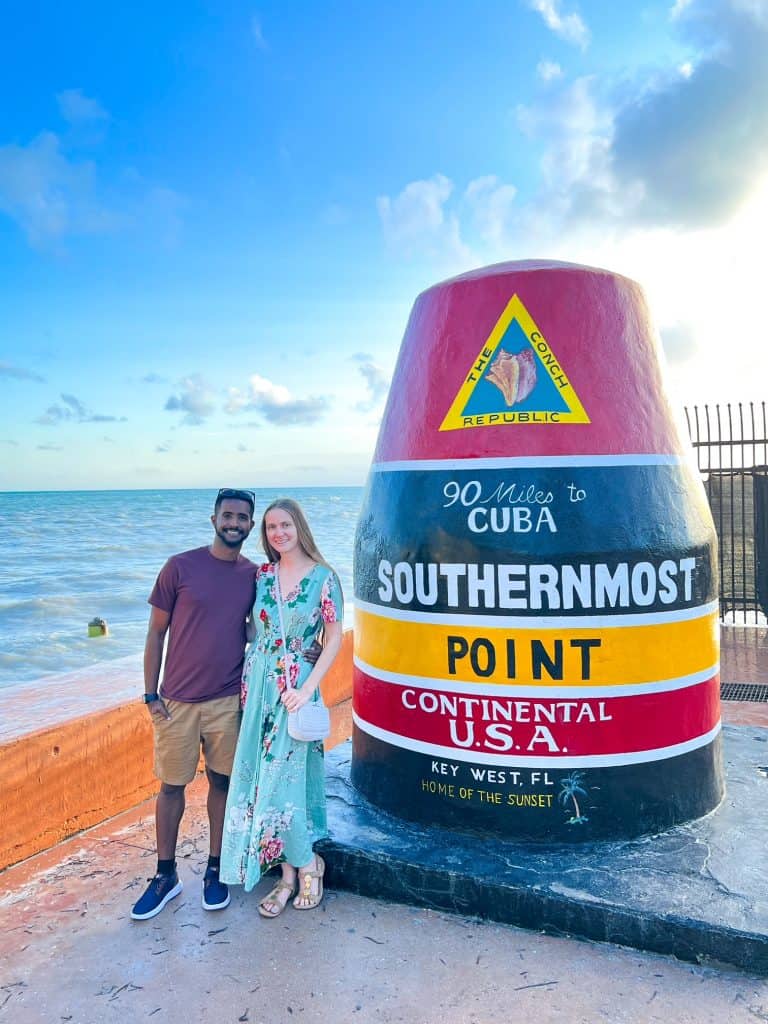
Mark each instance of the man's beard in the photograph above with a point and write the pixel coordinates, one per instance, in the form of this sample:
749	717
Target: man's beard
232	542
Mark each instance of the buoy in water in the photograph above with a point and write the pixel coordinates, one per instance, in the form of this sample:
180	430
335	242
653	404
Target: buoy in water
97	627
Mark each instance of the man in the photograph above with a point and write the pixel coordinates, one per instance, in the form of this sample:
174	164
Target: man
201	599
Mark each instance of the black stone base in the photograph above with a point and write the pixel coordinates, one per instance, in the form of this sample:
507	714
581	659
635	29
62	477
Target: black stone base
698	891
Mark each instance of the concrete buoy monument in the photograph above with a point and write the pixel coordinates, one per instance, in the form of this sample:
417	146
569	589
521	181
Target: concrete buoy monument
536	626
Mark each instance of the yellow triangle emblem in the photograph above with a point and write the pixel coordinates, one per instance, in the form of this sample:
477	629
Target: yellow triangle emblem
516	378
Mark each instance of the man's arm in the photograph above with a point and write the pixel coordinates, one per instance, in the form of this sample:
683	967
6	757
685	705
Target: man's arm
153	658
313	652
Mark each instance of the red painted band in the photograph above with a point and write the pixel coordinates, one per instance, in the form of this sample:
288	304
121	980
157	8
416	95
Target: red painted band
526	726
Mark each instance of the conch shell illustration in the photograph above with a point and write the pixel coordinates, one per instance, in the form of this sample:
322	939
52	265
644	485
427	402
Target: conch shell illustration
513	375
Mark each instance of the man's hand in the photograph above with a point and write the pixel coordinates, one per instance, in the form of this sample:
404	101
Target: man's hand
313	652
157	709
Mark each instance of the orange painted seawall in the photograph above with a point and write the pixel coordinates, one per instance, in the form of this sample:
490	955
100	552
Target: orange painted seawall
62	779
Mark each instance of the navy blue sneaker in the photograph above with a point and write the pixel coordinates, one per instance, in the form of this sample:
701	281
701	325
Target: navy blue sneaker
161	890
215	893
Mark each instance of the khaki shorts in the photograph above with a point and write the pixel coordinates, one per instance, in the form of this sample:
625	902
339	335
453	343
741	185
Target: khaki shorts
212	724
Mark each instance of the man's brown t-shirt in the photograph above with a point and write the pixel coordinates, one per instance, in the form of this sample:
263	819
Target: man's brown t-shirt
208	600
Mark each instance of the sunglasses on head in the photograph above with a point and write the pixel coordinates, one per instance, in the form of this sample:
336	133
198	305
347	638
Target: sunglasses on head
236	494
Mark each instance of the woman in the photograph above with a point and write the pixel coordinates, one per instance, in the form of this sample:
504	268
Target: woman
276	802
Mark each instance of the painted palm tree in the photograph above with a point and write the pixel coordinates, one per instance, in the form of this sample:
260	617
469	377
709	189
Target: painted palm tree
571	785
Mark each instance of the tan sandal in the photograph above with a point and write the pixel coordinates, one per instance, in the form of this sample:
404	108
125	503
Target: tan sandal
273	897
305	886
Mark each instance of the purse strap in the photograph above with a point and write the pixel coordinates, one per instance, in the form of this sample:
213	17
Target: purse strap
282	625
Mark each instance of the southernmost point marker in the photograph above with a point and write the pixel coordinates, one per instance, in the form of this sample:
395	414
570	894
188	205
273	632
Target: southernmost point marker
536	627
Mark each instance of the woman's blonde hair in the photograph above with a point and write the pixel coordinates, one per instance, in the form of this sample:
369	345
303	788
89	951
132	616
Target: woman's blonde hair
303	532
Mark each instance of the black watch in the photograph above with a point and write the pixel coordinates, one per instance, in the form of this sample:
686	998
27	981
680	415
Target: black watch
149	698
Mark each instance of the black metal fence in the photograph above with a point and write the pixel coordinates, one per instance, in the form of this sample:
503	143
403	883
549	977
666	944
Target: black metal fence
731	445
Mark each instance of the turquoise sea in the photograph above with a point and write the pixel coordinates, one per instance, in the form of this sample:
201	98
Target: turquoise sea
69	556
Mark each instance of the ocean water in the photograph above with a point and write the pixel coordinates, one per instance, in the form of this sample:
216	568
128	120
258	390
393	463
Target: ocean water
69	556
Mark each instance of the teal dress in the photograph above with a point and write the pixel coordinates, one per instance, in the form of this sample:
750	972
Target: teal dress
276	802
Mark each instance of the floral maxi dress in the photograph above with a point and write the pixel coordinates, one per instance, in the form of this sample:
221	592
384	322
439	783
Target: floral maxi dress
276	803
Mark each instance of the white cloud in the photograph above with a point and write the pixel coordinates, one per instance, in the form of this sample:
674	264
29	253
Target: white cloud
491	207
576	130
679	341
679	7
681	148
376	380
696	144
77	108
52	195
416	219
72	410
548	70
19	373
47	194
275	403
257	33
195	400
569	27
757	9
430	217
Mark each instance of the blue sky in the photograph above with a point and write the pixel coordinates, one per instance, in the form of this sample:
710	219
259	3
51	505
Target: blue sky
214	218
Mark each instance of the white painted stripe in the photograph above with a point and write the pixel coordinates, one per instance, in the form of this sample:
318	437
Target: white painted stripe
551	691
529	462
537	622
552	761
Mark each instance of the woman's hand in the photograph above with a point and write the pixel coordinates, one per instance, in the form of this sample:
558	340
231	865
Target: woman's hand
295	699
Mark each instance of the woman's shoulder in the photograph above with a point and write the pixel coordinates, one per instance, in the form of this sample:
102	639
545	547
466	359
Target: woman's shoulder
322	577
327	572
330	584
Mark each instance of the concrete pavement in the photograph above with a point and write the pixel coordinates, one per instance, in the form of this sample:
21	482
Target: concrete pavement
70	953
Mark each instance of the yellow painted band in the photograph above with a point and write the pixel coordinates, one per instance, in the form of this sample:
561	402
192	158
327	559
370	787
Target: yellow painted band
625	654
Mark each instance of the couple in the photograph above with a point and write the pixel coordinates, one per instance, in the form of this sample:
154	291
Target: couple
210	601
